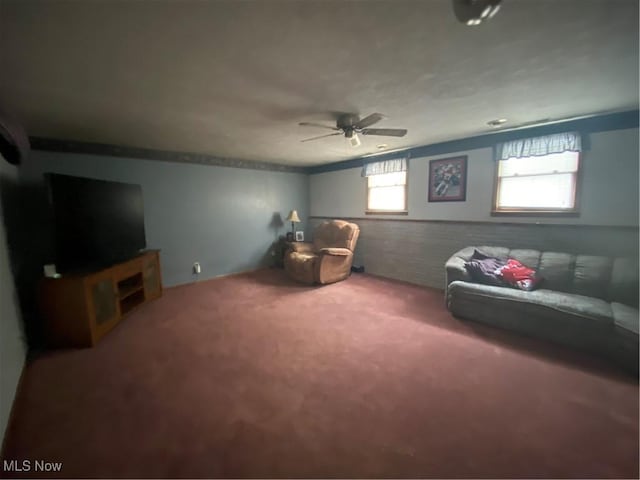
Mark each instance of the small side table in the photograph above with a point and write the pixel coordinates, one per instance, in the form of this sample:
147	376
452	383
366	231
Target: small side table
280	248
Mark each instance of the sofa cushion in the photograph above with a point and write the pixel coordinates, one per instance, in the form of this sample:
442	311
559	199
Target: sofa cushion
624	281
556	307
557	270
625	319
564	318
498	252
592	275
623	344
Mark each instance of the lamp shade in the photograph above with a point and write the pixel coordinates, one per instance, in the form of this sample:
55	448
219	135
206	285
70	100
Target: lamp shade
293	216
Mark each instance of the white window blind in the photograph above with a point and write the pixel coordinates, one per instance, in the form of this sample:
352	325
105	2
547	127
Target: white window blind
387	192
542	182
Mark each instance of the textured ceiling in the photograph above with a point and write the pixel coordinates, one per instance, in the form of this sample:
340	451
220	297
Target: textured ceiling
234	78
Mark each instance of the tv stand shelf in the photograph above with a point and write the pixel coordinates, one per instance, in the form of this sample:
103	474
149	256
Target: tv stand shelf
123	293
130	285
81	308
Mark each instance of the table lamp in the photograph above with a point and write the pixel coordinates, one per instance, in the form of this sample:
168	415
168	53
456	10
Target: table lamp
293	218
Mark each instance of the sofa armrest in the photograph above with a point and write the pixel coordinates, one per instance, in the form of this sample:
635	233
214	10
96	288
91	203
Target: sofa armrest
301	247
344	252
455	270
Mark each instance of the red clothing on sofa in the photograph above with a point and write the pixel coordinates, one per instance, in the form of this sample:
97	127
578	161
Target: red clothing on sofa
514	271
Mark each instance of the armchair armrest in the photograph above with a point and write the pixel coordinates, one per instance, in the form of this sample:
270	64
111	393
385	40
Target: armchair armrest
344	252
301	247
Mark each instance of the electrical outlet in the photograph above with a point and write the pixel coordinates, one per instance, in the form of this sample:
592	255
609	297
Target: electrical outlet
196	268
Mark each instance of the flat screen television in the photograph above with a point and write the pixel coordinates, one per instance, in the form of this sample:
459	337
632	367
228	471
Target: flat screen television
96	223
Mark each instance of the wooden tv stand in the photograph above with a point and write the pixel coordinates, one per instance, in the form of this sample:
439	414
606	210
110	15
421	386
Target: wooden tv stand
79	309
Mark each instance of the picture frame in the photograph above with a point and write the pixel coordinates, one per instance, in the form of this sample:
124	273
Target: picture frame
448	180
299	236
289	237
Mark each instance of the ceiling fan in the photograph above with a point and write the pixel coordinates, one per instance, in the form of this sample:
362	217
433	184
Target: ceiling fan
350	125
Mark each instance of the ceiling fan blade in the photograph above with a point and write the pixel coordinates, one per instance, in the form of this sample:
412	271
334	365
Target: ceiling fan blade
311	124
370	120
321	136
385	132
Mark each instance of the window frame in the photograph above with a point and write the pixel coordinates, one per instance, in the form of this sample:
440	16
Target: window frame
405	211
537	211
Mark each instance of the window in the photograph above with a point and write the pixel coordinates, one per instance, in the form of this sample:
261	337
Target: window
538	175
387	192
387	186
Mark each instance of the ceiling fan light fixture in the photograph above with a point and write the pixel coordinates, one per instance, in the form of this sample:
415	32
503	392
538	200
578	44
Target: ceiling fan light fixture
474	12
494	11
355	140
498	122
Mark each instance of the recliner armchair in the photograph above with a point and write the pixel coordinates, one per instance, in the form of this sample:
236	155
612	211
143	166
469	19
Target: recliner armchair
328	259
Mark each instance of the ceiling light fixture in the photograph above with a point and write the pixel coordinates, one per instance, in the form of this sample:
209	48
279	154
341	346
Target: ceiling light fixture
382	146
474	12
352	136
497	122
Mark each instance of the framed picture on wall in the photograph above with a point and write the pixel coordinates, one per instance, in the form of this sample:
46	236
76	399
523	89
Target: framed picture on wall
299	236
448	180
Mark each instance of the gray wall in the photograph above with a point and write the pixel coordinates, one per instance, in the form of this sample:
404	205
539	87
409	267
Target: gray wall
414	247
219	216
12	342
415	251
609	187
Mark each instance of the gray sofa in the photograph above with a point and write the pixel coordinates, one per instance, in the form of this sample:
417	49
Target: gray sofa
586	302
